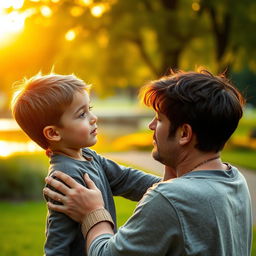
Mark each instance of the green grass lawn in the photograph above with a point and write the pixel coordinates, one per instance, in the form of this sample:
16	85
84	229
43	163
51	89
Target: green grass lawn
22	228
23	225
240	157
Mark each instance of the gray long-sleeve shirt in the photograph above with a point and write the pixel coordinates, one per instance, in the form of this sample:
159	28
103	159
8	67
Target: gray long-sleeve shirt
203	213
63	235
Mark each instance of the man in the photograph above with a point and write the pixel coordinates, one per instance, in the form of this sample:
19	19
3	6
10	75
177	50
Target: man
203	205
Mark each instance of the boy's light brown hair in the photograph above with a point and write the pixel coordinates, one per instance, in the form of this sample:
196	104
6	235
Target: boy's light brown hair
41	100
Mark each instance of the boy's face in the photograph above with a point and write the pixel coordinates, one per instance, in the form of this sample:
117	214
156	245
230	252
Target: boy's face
79	127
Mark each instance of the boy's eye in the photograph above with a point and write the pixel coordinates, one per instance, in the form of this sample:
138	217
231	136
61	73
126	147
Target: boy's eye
82	115
90	108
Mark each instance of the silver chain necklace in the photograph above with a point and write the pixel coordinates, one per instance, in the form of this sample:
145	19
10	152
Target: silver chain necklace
205	161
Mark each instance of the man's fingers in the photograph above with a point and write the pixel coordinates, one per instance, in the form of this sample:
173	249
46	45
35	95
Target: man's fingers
58	185
89	182
65	178
55	207
53	195
70	182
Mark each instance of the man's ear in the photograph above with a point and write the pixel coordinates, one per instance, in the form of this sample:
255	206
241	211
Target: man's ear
186	134
51	133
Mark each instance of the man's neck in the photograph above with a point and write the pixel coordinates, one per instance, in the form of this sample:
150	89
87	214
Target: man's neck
198	161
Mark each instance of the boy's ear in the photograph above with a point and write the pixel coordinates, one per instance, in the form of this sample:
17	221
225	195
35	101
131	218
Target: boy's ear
186	134
51	133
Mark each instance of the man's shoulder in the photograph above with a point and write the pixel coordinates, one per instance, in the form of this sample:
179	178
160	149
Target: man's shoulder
202	185
182	189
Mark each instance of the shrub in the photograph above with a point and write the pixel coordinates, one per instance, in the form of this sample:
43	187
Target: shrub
22	176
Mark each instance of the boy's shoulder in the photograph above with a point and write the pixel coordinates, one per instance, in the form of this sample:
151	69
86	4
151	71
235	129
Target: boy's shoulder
90	153
72	166
92	156
66	164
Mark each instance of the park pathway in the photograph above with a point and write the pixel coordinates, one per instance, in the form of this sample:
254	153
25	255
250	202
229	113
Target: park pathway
146	162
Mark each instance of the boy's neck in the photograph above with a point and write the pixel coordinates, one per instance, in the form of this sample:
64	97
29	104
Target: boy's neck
72	153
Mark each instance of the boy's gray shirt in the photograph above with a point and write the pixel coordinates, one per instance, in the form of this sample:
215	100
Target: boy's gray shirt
203	213
63	235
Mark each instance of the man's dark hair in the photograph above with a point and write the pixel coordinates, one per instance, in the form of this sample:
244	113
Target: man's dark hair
210	104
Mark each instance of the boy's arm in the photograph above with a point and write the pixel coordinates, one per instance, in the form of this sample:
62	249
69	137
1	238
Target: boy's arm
127	182
60	234
62	231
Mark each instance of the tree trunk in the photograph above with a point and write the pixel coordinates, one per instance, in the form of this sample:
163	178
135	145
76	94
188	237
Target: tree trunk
221	32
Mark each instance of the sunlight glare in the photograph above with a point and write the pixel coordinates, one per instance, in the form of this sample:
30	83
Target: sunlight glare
76	11
8	148
70	35
46	11
16	4
86	2
11	23
98	10
196	6
8	125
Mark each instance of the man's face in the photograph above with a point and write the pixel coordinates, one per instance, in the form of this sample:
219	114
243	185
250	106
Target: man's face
78	123
165	147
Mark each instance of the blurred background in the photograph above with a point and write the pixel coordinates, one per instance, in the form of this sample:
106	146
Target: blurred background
117	46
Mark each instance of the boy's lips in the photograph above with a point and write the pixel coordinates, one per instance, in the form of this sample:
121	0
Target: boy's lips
94	131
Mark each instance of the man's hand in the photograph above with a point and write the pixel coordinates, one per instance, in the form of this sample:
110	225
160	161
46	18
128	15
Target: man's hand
77	200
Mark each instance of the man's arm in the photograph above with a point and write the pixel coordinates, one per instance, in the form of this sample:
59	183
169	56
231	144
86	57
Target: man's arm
154	218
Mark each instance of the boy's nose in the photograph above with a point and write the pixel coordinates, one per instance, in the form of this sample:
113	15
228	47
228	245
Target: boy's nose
94	119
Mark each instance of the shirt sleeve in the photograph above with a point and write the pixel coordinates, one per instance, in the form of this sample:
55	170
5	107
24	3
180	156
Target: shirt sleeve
127	182
153	230
62	231
60	234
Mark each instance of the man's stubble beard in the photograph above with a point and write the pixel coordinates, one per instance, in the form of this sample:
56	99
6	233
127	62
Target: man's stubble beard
157	156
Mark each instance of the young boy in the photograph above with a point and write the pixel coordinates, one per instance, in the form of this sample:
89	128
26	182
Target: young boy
55	112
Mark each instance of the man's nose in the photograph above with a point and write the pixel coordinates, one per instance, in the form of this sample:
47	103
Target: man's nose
152	124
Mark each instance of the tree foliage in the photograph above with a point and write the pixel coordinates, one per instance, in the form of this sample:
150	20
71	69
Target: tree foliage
129	42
